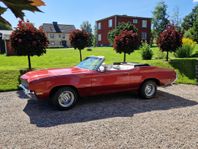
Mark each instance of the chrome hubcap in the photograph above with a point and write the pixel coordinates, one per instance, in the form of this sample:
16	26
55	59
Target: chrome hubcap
150	90
66	98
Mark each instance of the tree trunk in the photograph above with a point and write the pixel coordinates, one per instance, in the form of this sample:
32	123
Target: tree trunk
29	62
167	56
80	55
124	57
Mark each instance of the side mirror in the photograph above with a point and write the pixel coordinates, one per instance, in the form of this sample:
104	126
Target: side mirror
102	69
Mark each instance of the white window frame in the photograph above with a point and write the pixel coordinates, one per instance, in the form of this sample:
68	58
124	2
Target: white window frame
99	37
135	21
144	23
110	23
99	25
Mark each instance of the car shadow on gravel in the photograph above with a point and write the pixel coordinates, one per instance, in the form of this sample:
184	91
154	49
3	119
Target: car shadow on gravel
101	107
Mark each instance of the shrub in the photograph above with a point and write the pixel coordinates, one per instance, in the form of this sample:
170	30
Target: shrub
184	51
126	43
169	40
188	41
146	52
187	48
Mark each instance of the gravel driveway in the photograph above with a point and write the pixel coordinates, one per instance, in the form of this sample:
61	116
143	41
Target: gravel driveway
110	121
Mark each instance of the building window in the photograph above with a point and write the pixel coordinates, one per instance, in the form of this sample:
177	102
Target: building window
99	26
51	35
144	23
110	23
135	21
59	35
63	37
144	36
99	37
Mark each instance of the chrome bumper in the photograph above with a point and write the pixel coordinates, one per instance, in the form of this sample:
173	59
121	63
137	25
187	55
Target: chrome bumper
27	92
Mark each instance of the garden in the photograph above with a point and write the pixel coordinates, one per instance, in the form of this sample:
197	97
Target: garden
174	47
62	58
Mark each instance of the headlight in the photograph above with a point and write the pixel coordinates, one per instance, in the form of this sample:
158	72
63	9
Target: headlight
24	83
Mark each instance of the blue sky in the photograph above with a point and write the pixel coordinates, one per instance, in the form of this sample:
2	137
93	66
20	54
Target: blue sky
77	11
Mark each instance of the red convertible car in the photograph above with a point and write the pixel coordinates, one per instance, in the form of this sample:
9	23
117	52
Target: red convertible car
92	77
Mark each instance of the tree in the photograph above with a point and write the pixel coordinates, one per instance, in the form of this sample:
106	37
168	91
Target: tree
190	19
95	36
126	42
169	40
86	26
195	30
17	8
160	18
175	19
121	27
28	41
79	40
189	33
5	27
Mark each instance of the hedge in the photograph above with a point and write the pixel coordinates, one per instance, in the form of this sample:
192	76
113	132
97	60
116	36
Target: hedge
185	67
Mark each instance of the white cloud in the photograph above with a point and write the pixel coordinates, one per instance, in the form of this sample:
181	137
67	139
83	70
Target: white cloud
195	0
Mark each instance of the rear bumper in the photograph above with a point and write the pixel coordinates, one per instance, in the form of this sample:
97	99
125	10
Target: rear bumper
27	92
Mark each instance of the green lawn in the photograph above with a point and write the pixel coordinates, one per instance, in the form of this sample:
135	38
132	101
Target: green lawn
10	66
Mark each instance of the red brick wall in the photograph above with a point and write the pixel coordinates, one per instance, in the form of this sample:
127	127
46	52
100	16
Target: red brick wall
105	29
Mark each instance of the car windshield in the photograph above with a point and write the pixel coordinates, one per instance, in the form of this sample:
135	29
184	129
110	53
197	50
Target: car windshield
91	63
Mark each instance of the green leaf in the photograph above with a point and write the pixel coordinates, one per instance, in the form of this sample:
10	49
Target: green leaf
18	6
4	23
2	10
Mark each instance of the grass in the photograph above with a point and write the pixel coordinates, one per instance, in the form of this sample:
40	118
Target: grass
56	58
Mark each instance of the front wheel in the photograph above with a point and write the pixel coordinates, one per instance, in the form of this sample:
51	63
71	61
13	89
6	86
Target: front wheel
148	89
64	98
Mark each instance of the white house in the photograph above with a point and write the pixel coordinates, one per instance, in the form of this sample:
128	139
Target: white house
58	34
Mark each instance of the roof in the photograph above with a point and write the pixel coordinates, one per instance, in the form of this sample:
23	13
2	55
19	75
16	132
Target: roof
124	16
57	28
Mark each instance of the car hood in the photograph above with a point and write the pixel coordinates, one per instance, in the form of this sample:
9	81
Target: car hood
45	73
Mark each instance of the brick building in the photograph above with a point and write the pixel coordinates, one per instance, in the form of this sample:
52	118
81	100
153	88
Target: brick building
107	24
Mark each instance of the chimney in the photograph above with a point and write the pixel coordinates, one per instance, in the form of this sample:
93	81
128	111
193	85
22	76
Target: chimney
56	27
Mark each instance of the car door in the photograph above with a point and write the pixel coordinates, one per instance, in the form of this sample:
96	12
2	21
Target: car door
109	81
135	78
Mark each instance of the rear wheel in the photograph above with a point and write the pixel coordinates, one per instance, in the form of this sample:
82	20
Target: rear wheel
148	89
64	98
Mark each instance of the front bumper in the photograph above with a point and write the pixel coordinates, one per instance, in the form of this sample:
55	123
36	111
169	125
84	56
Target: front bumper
27	92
